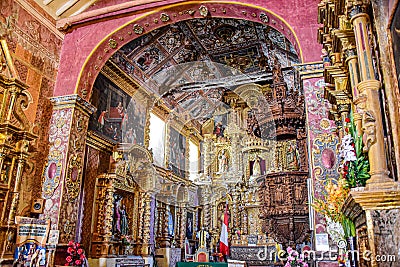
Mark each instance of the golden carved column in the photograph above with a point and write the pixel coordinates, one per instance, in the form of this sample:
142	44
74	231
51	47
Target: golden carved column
235	209
352	63
182	234
372	117
207	206
145	247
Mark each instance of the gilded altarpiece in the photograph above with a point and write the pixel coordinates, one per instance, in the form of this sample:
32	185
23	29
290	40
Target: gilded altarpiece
16	136
123	198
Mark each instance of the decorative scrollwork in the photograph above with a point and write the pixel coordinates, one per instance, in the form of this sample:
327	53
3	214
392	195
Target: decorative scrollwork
73	176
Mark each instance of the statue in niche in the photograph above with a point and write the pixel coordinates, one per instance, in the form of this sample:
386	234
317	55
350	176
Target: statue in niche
256	167
292	157
124	220
223	164
279	195
117	215
120	218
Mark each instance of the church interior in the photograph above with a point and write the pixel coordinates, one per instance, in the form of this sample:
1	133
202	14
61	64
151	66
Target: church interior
171	133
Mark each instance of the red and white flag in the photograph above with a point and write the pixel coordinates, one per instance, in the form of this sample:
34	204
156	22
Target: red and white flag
223	240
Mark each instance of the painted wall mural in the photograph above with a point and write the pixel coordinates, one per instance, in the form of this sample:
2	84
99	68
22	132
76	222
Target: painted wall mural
177	157
322	139
119	117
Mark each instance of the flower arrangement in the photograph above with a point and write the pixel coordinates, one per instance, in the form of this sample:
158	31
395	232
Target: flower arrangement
126	239
76	255
330	205
355	164
294	259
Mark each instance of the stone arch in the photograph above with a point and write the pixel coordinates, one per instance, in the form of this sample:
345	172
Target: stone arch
81	76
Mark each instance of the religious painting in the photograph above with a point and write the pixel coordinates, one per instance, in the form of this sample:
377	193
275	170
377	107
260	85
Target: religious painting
149	58
171	221
177	156
134	122
220	124
189	225
118	117
395	30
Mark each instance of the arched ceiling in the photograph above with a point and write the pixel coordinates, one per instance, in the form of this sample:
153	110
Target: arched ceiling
190	64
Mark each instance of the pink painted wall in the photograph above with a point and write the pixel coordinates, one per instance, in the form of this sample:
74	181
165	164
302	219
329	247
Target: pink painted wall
82	40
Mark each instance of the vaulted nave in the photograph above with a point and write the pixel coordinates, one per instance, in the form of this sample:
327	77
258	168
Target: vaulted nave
185	133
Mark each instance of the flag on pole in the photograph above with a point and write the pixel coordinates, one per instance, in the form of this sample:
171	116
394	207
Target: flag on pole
223	240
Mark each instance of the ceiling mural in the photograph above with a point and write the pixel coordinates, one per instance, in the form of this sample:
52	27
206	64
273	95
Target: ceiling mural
190	64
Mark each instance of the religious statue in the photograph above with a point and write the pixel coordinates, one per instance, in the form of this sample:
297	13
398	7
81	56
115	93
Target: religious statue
256	167
117	216
124	221
223	162
291	157
369	129
120	218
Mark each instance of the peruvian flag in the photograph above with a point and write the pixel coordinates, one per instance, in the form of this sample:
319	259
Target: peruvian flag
223	240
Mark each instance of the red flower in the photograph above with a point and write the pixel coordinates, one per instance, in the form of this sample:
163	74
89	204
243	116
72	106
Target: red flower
78	262
68	259
347	120
70	243
83	256
79	251
78	245
70	250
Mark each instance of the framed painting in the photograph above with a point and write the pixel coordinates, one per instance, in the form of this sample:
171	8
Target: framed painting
118	117
177	156
189	225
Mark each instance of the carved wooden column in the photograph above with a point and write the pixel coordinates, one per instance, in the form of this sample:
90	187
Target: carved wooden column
206	193
146	240
178	228
63	171
352	63
372	117
163	239
182	233
235	209
104	211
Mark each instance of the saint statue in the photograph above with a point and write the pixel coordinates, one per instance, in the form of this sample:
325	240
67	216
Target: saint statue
223	162
124	221
256	167
117	217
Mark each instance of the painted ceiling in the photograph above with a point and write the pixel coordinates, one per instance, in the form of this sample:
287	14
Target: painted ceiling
190	64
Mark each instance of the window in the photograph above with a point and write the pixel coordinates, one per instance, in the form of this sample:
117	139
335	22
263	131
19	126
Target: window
157	139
